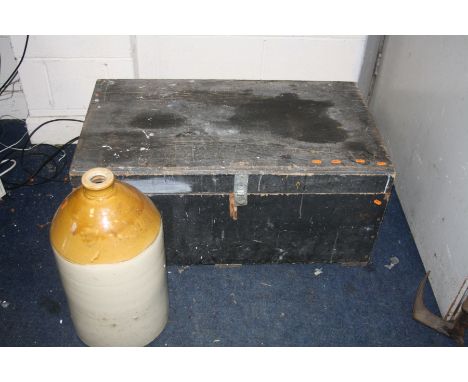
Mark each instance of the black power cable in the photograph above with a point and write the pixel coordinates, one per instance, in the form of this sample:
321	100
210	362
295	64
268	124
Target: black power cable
28	181
15	71
28	138
32	174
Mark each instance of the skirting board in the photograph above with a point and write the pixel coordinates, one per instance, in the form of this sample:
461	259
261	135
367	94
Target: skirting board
54	133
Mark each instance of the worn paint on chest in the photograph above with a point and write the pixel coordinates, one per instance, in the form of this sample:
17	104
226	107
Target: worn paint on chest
319	177
156	127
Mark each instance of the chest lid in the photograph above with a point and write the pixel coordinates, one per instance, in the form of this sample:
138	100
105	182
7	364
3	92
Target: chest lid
194	136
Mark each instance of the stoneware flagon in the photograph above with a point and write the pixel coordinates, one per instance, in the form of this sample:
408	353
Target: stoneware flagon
108	242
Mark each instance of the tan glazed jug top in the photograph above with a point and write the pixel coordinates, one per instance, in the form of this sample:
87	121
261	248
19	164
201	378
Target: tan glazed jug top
104	221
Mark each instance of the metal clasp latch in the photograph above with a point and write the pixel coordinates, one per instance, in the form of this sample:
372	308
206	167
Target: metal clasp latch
241	183
239	196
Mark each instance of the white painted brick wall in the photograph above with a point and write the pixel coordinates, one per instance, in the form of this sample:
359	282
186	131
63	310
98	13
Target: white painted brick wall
11	103
59	72
60	87
199	57
312	58
74	46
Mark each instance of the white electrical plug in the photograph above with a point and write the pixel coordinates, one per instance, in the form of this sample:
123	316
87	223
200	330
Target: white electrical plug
12	166
2	189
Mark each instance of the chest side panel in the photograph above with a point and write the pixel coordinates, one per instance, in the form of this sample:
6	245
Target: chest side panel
272	229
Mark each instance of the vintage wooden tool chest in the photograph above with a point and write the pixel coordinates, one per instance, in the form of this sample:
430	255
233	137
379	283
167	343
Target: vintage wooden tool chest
245	171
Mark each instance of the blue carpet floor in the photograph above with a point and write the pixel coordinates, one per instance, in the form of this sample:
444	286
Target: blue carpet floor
254	305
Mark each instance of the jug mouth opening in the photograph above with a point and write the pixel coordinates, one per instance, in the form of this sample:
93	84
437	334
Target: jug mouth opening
97	179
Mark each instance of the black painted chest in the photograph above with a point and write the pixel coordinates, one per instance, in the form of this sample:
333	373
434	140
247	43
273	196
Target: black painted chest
245	171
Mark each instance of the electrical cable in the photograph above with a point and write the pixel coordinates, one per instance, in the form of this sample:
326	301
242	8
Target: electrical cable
15	71
39	127
13	144
9	95
35	173
50	121
9	168
17	149
11	117
10	149
27	182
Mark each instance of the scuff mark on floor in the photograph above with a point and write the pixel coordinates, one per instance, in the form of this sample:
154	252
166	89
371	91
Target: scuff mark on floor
182	269
318	271
393	261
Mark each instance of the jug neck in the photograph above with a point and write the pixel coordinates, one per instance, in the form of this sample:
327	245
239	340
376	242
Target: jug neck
98	183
